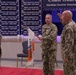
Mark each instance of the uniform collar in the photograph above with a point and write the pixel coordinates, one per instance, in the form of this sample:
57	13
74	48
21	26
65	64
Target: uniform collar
71	22
49	25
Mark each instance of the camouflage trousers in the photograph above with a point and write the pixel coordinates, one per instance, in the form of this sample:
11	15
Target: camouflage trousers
48	58
69	67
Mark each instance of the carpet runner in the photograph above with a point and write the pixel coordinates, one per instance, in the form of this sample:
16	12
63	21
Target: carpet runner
24	71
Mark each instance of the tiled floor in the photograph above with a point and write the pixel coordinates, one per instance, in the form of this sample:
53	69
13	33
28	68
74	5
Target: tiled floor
7	63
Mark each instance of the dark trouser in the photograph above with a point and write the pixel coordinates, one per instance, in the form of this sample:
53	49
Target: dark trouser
69	67
48	62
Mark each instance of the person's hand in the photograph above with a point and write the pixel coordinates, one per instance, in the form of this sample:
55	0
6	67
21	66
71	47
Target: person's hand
59	15
40	38
65	59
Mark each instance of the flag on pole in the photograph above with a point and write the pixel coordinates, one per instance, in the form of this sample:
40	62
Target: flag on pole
31	43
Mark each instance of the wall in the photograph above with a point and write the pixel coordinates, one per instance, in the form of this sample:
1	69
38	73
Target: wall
10	49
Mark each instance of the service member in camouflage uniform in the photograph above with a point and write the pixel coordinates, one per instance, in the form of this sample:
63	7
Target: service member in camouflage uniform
49	45
68	43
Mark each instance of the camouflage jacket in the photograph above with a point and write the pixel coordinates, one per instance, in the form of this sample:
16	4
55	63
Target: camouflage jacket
68	40
49	34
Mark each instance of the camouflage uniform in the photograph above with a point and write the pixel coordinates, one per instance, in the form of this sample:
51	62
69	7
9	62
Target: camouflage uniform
68	48
49	48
